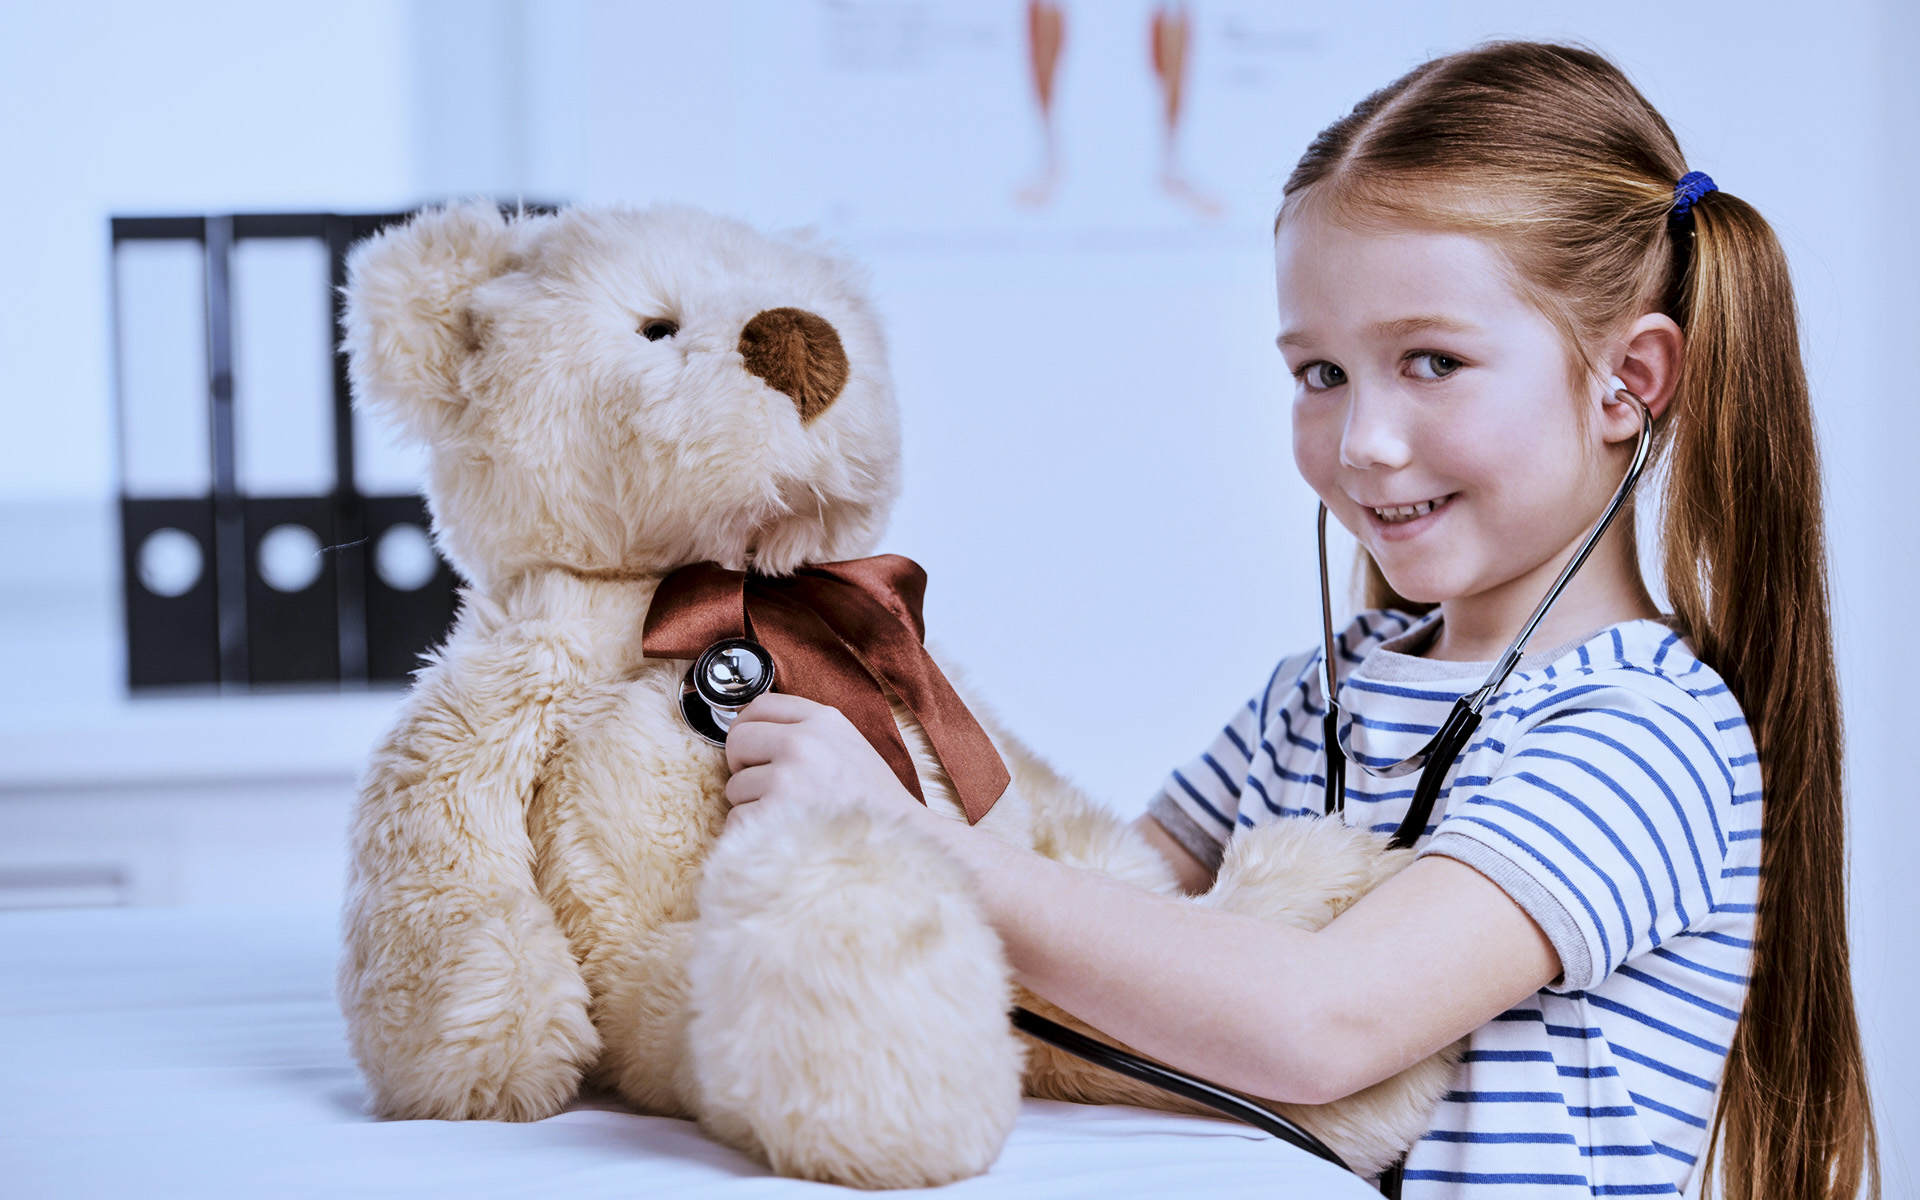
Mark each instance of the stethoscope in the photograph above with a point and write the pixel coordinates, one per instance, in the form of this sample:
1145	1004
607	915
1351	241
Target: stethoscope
1435	758
729	674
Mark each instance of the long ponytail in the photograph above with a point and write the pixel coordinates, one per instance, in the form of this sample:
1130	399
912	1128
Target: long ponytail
1549	152
1746	573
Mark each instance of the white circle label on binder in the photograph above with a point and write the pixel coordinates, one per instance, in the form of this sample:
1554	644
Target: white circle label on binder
404	559
289	558
170	562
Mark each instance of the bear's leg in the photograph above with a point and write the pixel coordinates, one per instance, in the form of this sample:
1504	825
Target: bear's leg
642	1021
462	1002
847	1016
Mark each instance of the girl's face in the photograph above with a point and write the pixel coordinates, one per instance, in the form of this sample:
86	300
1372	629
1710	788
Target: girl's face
1431	409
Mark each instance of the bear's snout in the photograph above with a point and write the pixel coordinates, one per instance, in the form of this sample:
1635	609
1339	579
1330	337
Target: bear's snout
798	353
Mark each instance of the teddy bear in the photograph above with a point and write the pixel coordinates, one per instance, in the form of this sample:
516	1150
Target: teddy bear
545	893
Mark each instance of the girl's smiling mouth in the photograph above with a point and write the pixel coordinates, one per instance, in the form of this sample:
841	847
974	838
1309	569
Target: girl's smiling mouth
1399	521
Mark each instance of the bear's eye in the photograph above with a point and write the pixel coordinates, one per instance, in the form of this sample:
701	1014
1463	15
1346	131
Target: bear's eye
658	328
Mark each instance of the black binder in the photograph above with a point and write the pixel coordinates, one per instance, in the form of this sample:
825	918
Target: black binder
233	577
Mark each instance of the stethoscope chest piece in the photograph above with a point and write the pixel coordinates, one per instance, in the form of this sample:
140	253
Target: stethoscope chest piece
726	678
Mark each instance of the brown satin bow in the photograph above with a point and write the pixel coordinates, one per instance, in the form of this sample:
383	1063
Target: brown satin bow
843	634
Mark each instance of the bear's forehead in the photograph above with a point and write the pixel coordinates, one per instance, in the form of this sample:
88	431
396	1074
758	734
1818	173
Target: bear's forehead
666	246
673	265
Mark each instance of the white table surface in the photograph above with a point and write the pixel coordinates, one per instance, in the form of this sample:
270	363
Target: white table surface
196	1051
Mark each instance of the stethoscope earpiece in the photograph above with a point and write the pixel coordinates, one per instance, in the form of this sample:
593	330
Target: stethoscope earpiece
728	676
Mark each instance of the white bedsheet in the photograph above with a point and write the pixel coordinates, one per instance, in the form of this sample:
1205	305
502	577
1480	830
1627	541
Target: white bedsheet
197	1052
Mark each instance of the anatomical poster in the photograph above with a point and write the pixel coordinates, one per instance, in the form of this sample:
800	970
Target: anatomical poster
932	119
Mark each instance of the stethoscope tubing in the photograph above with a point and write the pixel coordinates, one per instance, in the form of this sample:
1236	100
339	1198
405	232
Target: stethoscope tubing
1179	1083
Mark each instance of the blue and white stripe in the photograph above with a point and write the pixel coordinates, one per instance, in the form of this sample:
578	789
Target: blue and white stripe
1613	791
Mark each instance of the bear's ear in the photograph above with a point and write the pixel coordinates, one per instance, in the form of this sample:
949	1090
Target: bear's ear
407	323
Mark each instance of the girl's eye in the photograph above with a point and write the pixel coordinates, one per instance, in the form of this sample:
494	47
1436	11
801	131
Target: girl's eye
658	328
1319	376
1429	364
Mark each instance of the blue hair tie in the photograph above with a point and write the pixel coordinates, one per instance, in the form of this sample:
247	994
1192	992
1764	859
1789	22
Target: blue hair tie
1687	193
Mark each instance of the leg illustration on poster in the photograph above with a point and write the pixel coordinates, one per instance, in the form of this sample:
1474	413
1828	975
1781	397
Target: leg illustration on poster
1170	41
1046	36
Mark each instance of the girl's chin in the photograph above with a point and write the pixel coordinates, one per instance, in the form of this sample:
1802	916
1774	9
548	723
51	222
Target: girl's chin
1419	595
1412	583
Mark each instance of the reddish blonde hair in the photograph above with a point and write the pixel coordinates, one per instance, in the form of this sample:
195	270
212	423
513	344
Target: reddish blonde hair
1550	154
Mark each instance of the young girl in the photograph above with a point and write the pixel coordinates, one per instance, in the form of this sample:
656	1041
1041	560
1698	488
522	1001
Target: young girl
1471	264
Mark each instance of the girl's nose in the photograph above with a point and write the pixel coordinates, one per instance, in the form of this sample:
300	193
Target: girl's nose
1373	435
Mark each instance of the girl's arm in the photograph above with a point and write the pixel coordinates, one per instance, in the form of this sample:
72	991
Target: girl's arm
1429	956
1194	876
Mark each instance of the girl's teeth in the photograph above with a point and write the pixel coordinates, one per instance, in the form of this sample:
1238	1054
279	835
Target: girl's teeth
1406	512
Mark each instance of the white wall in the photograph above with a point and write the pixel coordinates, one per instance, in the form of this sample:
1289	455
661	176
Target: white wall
1096	460
1882	576
126	108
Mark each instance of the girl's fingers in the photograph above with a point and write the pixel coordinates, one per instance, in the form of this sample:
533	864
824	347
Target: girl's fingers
780	708
749	785
751	743
797	751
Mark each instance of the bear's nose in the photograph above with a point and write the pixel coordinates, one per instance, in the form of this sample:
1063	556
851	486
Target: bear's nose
799	353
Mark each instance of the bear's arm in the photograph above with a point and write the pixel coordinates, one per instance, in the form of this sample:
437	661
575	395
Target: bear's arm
461	995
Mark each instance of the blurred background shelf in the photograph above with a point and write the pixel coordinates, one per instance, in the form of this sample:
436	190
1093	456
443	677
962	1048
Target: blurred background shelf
156	741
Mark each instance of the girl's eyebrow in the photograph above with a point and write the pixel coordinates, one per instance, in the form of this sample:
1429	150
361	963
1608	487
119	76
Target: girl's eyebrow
1398	328
1407	326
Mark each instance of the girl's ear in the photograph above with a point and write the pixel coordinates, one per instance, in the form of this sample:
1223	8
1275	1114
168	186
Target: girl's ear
1648	361
408	323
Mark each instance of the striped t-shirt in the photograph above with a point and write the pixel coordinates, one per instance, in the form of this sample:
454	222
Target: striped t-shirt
1613	792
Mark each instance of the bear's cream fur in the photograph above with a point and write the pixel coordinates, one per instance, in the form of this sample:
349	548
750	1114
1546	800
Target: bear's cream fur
541	895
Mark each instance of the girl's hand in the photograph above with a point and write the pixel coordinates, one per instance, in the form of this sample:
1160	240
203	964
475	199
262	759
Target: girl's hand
791	750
